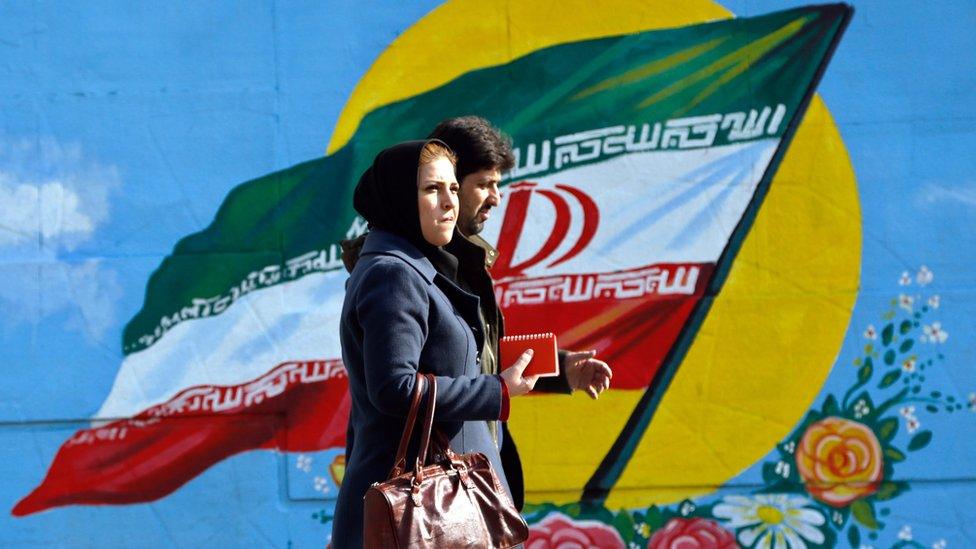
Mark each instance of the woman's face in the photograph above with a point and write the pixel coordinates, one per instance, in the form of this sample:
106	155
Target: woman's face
437	200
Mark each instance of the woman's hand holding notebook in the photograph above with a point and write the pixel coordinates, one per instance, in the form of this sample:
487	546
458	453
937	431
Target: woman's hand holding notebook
545	361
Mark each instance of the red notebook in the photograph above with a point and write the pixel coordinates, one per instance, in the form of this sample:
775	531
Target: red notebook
545	361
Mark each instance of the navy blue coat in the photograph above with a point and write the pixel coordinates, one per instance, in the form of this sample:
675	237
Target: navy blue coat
401	315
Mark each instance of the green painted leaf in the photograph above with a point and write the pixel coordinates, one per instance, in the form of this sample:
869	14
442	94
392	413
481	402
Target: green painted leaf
864	373
889	357
830	407
894	455
654	518
889	379
889	489
854	536
572	510
906	345
905	326
887	428
624	524
887	334
864	513
920	440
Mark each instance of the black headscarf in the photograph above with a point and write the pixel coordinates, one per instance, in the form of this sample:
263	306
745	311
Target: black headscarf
386	197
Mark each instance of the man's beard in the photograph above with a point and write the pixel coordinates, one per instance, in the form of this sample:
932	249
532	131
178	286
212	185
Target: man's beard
473	226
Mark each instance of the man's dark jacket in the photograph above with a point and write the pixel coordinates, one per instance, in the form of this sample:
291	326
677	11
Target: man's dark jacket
475	256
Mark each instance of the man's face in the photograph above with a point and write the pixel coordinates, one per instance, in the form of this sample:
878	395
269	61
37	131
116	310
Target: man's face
479	194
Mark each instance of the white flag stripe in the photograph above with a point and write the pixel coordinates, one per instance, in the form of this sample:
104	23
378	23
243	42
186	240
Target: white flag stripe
298	320
672	206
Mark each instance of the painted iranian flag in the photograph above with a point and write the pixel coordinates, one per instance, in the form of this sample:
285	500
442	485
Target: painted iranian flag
641	162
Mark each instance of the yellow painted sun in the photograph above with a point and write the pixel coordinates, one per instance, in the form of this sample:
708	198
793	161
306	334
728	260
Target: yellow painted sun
771	336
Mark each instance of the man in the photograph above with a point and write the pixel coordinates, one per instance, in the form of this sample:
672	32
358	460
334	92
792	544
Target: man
483	154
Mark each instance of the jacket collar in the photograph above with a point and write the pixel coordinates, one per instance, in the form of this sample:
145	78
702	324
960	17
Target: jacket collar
382	242
473	246
491	254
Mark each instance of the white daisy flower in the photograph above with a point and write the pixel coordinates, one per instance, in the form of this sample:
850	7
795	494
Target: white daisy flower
861	409
905	279
934	302
924	276
905	302
908	365
912	424
907	411
934	333
939	544
905	533
776	521
304	463
870	332
321	485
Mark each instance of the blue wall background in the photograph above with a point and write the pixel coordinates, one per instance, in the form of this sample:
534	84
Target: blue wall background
145	116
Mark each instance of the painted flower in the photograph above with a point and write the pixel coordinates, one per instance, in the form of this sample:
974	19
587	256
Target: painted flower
907	411
695	533
304	463
939	544
840	461
870	332
905	302
924	276
908	365
905	279
905	533
934	302
934	333
861	409
321	485
782	469
338	469
777	521
558	530
912	424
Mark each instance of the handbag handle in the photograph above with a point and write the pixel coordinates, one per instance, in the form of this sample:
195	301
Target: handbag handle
428	422
401	456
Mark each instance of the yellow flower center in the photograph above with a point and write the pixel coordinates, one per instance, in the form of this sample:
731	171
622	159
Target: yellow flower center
769	515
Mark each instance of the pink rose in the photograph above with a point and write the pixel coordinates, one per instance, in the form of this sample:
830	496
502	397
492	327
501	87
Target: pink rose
559	531
696	533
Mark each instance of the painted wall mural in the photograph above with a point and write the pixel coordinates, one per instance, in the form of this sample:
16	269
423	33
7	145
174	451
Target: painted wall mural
683	201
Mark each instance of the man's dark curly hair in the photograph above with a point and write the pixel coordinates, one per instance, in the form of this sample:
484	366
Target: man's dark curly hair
477	144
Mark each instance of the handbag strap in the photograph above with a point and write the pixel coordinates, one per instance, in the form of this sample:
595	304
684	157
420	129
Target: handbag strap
401	456
428	421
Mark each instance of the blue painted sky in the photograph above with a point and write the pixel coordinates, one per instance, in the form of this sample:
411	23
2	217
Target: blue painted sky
147	116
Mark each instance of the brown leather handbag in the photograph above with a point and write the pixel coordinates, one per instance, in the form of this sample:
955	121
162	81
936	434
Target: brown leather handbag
456	501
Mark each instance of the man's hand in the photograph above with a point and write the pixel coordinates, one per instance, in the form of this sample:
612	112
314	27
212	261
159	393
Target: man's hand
585	372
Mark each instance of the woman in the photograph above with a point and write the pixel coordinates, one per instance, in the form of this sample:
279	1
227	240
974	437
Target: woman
403	312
